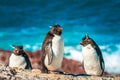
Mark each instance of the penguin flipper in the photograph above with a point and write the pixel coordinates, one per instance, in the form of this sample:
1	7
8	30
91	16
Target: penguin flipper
28	66
102	64
82	62
49	52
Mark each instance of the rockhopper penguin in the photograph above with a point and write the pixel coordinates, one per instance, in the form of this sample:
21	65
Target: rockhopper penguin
93	62
52	50
19	58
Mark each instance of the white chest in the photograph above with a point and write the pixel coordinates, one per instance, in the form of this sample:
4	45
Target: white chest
17	61
57	45
89	53
58	50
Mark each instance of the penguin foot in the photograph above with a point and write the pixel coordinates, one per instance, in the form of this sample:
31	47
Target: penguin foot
96	75
56	72
44	71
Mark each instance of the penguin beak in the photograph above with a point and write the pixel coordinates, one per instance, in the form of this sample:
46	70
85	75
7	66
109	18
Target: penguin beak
60	29
81	43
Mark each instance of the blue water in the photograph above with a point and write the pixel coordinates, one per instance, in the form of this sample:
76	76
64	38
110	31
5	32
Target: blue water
27	22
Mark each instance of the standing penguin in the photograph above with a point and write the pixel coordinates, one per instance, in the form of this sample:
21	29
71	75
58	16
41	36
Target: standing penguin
93	62
52	50
19	58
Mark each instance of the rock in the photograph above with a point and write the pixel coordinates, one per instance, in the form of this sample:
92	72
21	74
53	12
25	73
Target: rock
4	56
7	73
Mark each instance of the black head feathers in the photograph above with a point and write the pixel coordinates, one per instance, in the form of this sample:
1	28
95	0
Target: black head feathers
18	50
87	40
56	29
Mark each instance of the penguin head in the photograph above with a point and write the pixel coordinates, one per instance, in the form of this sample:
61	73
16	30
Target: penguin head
56	29
86	40
18	50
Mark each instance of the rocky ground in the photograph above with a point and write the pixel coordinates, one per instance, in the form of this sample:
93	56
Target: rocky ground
7	73
73	70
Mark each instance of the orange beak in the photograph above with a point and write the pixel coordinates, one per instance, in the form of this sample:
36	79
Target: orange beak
60	29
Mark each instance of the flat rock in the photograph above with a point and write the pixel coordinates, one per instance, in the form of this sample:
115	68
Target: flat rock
7	73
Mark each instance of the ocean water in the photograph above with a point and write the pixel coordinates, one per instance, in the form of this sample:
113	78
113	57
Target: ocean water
27	22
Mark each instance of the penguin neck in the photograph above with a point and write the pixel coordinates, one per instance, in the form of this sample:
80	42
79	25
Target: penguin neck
50	34
89	46
17	54
20	54
56	35
53	35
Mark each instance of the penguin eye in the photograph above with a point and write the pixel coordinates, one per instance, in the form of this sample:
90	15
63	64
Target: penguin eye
89	41
55	30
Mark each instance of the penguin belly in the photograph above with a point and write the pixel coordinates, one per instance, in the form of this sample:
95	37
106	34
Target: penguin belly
91	61
58	50
17	61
